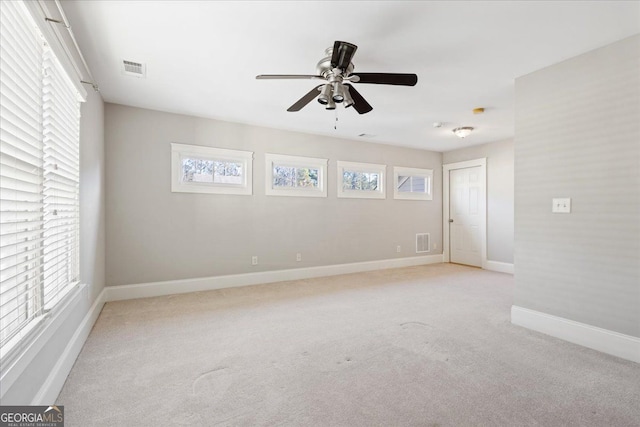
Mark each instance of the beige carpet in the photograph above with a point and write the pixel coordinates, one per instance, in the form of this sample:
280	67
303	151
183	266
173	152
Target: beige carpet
418	346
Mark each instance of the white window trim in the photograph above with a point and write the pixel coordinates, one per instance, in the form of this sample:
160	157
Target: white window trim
403	171
381	170
179	151
295	161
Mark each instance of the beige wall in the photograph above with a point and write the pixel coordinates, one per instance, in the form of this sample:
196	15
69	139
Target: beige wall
500	173
578	136
156	235
92	194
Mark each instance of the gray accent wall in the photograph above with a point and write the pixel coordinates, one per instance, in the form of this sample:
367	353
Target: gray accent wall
156	235
500	182
578	136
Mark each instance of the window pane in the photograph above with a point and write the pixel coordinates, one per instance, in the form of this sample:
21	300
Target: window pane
228	173
362	181
284	176
211	171
411	184
197	170
294	177
307	178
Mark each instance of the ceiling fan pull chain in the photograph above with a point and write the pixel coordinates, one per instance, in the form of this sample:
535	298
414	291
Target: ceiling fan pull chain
335	124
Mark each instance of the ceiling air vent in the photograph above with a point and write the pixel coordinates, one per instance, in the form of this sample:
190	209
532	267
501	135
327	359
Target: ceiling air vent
135	69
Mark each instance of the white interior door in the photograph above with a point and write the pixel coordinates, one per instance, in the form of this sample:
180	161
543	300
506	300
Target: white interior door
466	208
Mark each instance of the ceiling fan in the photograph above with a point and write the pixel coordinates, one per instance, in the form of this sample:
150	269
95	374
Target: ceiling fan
337	69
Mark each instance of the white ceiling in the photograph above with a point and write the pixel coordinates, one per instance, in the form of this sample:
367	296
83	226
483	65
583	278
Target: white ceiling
202	58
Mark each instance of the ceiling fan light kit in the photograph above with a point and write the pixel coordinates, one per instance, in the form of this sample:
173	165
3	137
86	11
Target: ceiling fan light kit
338	92
337	69
325	95
348	101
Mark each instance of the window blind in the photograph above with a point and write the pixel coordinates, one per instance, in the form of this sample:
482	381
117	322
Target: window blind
21	174
39	168
61	128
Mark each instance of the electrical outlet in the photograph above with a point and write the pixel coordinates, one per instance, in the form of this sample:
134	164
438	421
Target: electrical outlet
254	260
561	205
298	257
398	249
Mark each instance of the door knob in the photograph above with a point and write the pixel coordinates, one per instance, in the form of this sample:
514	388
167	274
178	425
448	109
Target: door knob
450	220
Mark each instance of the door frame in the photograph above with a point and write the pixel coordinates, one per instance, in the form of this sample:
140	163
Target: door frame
482	162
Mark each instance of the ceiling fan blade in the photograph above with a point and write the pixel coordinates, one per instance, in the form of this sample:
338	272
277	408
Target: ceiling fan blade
287	76
310	96
359	103
342	54
386	78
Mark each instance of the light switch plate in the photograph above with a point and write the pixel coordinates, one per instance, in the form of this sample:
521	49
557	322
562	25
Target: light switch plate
561	205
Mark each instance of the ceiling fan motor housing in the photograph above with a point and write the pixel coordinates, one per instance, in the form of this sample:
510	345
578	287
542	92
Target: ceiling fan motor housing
324	68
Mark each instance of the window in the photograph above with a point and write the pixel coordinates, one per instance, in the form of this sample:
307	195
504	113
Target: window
295	176
39	177
361	180
412	183
198	169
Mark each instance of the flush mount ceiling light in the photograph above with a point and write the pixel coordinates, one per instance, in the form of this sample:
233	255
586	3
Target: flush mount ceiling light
462	132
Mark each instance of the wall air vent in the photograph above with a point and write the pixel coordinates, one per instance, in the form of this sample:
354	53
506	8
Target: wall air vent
135	69
423	243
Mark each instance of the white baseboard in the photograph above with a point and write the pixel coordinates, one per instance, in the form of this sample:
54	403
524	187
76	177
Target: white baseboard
53	384
610	342
500	267
145	290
